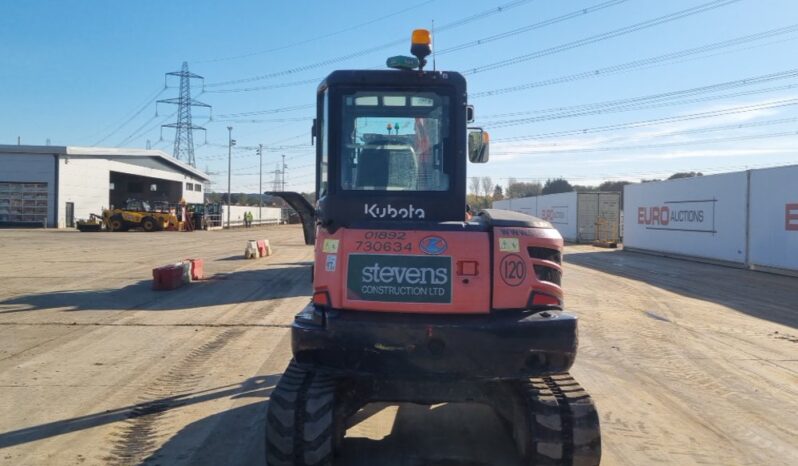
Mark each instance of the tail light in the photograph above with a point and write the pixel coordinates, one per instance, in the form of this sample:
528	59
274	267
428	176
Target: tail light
321	298
540	299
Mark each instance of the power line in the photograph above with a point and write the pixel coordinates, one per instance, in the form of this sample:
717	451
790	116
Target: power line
268	111
268	86
268	120
548	22
661	145
742	109
703	8
482	41
138	132
749	81
475	17
290	138
626	108
629	66
131	117
711	129
639	63
317	38
626	66
635	108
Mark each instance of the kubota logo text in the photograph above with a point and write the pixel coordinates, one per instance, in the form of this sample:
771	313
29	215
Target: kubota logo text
375	211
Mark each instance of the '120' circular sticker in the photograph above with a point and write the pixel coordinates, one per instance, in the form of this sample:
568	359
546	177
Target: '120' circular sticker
512	269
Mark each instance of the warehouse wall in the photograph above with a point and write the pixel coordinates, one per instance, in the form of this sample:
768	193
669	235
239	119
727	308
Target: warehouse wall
773	229
119	166
84	182
193	196
34	168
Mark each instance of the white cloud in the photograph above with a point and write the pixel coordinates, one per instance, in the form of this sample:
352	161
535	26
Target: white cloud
663	133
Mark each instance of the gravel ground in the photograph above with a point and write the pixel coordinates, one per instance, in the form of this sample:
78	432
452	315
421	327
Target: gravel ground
688	363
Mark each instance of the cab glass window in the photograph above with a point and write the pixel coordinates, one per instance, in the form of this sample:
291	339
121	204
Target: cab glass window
394	141
324	146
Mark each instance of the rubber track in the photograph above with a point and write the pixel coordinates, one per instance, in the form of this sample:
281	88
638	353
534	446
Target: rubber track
564	423
299	423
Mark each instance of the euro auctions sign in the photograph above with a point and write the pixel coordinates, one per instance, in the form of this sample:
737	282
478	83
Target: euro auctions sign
688	216
791	217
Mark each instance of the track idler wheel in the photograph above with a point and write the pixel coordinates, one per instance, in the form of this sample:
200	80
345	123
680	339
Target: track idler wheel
300	424
562	422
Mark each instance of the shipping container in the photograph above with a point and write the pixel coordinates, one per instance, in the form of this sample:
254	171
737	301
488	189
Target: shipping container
598	216
746	219
773	218
704	217
577	216
525	205
560	210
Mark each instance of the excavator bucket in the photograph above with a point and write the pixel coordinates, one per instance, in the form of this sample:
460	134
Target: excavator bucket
307	214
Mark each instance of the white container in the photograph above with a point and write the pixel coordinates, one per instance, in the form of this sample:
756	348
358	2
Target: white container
773	214
560	210
602	209
573	214
525	205
703	217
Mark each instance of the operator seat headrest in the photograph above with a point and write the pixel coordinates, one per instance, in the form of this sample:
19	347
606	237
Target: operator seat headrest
390	166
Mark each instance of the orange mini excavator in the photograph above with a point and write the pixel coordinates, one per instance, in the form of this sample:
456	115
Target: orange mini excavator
413	301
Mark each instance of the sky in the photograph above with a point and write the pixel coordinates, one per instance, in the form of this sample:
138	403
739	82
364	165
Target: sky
589	90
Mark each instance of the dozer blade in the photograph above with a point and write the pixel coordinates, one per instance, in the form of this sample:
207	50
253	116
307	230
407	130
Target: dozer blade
307	214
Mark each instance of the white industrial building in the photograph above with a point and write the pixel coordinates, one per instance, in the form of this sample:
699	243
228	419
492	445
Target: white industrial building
53	186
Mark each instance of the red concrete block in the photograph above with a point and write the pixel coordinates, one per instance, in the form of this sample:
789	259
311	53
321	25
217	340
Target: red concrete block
262	250
197	269
168	277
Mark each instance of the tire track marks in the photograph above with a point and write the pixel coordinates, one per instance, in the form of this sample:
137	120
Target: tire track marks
139	435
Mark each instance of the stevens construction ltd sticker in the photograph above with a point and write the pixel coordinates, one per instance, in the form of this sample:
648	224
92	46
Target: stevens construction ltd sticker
399	278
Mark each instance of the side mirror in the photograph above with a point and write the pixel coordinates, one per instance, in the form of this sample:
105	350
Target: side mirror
478	146
469	113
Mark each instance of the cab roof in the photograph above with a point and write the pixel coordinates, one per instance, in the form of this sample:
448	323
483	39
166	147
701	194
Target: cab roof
394	78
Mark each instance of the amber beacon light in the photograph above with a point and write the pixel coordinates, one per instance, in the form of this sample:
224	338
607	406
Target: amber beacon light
421	46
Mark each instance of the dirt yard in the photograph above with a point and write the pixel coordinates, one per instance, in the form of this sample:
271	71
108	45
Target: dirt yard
688	363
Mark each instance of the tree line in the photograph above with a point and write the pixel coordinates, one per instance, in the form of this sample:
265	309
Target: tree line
483	192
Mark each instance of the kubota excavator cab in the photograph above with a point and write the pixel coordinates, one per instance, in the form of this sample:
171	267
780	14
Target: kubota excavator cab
411	300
